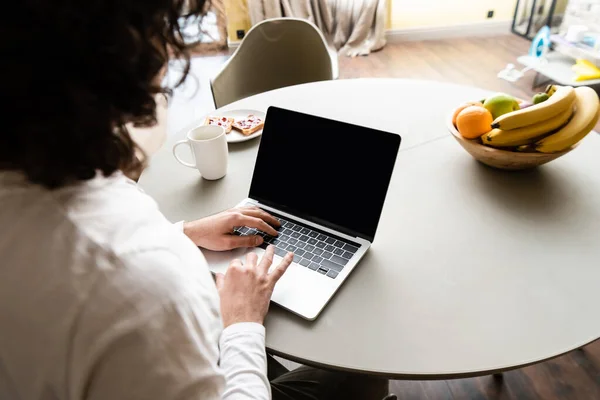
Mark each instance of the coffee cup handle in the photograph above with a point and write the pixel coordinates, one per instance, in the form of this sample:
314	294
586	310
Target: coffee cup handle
187	164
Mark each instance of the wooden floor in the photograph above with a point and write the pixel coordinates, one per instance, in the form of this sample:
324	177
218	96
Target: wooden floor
476	61
472	61
575	376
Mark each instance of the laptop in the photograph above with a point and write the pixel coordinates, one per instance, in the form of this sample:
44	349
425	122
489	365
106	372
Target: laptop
326	181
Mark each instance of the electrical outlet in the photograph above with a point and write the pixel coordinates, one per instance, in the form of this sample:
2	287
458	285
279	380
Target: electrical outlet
491	14
240	34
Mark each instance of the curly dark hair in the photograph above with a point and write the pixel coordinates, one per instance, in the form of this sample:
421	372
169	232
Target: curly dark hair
76	72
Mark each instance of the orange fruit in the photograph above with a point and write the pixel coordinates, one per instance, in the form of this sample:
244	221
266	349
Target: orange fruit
462	107
474	121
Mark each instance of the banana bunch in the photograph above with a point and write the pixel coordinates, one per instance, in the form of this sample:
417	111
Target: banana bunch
554	125
587	112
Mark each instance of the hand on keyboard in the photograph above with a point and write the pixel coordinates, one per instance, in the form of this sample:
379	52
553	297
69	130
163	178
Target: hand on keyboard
314	250
216	232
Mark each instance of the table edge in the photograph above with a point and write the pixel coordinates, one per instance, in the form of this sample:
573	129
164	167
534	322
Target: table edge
420	376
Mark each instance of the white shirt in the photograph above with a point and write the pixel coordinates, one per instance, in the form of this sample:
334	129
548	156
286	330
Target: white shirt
101	298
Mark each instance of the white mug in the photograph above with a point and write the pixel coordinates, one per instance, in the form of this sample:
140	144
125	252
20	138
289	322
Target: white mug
209	147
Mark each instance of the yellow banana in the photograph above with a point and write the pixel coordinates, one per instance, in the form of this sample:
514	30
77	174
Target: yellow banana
587	112
557	103
527	134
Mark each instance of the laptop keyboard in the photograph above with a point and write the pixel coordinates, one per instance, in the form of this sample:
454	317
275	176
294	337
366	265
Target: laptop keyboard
314	250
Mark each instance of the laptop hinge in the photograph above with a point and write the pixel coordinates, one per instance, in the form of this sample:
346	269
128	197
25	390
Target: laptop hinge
317	221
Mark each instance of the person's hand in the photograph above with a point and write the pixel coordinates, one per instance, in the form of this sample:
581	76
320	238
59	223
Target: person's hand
216	232
246	289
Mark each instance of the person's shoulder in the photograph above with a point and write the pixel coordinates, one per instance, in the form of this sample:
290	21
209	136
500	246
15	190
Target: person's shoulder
115	195
138	260
115	213
145	249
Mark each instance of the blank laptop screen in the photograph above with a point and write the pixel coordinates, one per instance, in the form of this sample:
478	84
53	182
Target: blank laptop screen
325	171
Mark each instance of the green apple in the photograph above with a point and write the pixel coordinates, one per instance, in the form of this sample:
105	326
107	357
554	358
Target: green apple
500	104
540	98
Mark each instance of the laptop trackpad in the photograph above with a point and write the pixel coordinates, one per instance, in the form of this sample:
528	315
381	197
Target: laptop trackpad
303	291
300	290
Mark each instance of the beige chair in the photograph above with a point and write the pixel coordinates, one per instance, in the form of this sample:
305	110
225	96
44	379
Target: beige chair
275	53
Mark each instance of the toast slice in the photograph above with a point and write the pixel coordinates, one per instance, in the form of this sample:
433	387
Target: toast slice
249	125
225	122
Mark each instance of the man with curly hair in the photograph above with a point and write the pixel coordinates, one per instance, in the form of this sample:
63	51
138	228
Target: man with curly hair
100	296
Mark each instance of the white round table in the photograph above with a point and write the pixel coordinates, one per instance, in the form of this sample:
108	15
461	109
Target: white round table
473	270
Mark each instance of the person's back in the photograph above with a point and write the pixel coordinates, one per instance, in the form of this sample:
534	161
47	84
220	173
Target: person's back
80	276
100	296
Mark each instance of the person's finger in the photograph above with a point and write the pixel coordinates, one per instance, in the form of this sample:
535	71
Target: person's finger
219	280
278	272
262	214
235	263
267	260
235	242
251	260
257	223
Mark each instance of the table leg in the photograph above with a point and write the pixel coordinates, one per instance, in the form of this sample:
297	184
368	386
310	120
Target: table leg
378	388
385	384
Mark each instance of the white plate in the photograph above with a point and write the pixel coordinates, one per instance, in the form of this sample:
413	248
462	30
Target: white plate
234	136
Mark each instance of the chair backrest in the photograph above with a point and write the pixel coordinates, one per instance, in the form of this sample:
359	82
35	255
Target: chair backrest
275	53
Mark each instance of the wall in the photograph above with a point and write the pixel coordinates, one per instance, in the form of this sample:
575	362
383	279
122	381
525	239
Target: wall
429	13
404	13
237	17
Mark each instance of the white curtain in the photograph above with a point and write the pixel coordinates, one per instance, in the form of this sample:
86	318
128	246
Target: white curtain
354	27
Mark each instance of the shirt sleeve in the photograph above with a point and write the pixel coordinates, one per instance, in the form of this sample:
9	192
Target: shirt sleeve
179	225
158	336
244	362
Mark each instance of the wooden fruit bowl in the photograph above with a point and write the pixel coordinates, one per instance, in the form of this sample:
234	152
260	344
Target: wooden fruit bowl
503	159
